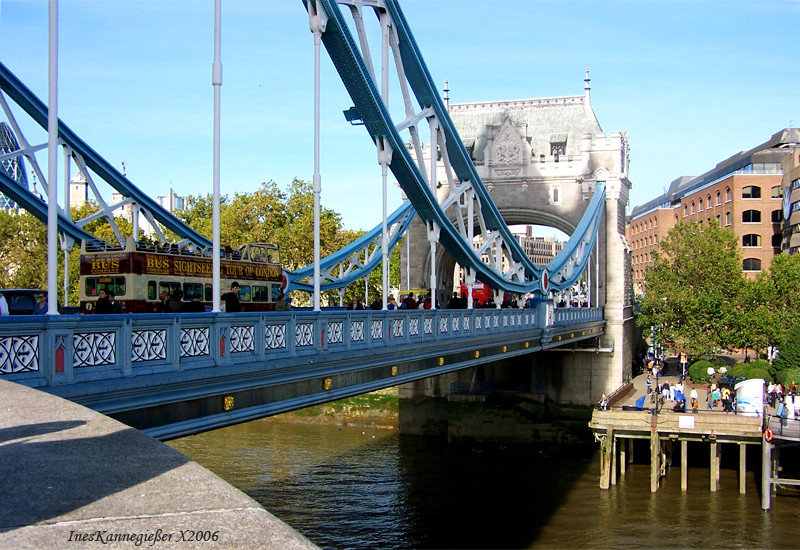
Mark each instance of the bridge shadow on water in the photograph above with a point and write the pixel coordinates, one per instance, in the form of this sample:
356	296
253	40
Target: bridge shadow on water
352	487
486	496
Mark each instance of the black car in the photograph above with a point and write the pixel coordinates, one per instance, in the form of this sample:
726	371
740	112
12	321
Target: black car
21	301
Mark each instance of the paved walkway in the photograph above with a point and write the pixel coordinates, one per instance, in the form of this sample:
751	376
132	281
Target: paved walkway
72	478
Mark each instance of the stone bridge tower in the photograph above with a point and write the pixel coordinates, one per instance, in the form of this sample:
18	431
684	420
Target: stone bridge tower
540	160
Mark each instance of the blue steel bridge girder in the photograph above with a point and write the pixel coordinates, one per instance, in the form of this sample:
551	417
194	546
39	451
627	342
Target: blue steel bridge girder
360	81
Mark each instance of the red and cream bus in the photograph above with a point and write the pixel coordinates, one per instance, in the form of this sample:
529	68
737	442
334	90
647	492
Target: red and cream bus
139	272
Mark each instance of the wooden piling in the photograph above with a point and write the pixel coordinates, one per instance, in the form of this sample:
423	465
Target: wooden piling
613	460
714	477
605	460
742	468
684	464
623	456
655	454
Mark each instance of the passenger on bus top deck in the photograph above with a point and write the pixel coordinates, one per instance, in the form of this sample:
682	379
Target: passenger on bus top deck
41	304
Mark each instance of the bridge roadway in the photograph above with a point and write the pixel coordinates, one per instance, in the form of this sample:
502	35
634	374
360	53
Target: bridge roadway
175	375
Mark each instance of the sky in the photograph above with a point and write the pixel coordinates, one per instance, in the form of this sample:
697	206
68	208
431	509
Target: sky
691	82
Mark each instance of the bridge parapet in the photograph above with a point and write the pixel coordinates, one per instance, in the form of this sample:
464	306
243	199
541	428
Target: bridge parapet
54	351
570	315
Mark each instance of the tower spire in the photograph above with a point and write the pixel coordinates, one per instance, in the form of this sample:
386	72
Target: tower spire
586	81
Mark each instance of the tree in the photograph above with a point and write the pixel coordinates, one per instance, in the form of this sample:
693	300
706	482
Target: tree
781	295
693	287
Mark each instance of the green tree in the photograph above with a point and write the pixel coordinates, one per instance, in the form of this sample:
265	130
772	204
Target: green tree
693	287
781	296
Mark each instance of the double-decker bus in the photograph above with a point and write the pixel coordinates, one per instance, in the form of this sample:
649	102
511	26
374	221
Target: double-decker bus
137	274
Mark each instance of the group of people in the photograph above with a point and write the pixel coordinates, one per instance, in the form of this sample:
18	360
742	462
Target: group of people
175	303
407	301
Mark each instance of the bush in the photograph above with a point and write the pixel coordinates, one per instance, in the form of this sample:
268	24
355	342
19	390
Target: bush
789	356
698	371
756	369
785	377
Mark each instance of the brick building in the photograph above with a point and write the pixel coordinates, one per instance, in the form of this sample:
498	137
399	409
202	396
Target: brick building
743	192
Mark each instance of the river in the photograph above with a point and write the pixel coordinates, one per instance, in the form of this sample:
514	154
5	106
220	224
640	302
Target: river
371	488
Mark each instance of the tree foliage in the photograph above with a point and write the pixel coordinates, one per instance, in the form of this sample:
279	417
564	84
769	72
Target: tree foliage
693	288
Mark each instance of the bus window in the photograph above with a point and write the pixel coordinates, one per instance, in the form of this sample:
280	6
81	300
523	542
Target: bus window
273	256
152	293
169	286
95	284
260	294
276	290
244	293
192	289
209	295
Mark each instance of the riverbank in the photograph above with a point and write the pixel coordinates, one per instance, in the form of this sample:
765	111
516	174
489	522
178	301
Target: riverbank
379	409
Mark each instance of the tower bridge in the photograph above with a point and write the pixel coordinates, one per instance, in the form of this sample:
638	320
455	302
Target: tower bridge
176	374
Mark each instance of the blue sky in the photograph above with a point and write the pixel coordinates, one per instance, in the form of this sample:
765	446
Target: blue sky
691	82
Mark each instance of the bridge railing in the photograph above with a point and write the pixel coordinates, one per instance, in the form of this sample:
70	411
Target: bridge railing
69	349
571	315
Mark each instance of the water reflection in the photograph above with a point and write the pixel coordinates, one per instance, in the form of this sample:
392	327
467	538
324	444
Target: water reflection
370	488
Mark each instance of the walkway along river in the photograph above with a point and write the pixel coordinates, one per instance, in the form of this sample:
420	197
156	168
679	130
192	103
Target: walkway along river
348	487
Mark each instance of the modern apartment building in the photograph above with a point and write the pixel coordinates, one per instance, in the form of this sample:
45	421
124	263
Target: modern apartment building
791	203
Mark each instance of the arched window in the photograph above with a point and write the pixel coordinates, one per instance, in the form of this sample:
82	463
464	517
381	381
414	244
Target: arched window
776	192
701	205
751	216
728	194
751	239
709	201
777	216
719	198
751	264
777	240
719	219
693	207
685	210
728	218
751	192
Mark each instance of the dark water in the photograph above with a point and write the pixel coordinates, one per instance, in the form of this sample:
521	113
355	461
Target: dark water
370	488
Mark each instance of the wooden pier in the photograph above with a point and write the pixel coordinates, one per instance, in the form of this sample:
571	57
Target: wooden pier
616	429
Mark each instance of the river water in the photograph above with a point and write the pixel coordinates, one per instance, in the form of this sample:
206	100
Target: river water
371	488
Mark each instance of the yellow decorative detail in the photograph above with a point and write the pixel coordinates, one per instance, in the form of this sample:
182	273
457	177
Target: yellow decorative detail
227	403
559	338
527	345
477	354
394	370
441	361
572	335
327	384
583	333
505	349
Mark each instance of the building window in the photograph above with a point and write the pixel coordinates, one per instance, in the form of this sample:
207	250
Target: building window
751	239
728	218
796	184
751	192
795	206
777	216
709	201
776	192
693	211
751	264
719	198
701	205
685	210
751	216
728	194
719	219
777	239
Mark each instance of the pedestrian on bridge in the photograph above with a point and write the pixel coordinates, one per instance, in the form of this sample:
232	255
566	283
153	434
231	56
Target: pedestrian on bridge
282	304
232	304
